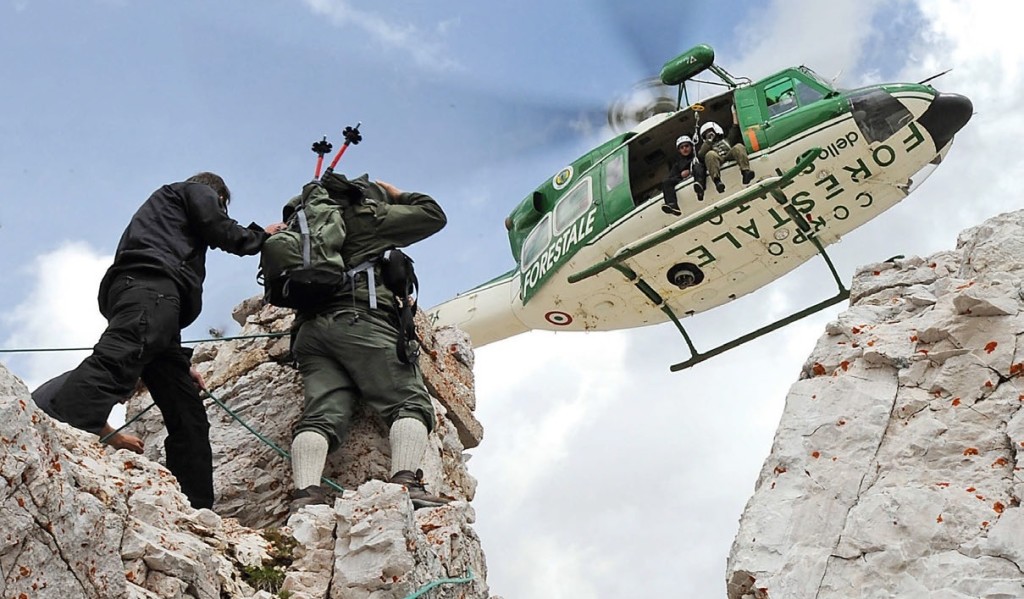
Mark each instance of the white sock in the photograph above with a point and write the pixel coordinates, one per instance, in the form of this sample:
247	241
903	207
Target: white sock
309	455
408	442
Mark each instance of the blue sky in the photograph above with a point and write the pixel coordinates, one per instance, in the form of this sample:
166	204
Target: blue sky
103	101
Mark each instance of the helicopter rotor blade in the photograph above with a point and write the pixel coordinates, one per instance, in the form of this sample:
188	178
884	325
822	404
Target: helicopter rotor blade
649	36
647	98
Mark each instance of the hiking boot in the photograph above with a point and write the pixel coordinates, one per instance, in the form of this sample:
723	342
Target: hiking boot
413	483
671	209
719	186
311	495
698	187
748	176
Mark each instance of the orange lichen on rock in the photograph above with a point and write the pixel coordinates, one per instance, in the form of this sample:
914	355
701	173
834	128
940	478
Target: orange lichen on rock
990	347
941	484
971	451
818	369
999	462
956	401
815	454
939	519
998	507
844	365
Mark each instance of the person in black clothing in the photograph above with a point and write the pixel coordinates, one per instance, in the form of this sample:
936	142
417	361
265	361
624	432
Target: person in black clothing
151	292
684	166
43	397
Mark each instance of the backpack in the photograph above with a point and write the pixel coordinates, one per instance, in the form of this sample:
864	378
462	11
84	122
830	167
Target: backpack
301	267
400	278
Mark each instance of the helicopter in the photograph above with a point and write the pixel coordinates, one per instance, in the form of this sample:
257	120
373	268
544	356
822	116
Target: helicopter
594	251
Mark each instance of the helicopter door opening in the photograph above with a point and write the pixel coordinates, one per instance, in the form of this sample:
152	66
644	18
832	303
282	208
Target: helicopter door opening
652	152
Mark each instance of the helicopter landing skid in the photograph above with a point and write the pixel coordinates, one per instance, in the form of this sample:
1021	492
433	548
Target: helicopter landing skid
697	357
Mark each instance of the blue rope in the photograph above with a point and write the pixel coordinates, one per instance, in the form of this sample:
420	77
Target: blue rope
26	350
437	583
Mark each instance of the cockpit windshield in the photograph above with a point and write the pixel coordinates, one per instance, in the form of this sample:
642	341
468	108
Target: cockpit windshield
818	78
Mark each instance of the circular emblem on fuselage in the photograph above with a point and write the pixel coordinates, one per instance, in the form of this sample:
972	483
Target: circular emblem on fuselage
559	319
562	178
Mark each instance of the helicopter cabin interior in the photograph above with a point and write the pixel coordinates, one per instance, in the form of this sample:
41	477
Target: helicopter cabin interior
651	152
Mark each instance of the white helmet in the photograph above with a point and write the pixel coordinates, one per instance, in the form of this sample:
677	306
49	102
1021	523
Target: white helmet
711	126
683	139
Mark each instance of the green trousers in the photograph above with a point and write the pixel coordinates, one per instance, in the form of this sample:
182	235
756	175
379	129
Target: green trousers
349	356
714	162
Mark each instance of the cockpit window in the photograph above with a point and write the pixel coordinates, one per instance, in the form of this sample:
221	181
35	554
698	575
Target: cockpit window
573	205
538	240
878	114
788	94
818	78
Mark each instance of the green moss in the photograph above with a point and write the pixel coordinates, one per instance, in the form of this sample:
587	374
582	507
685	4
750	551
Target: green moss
263	578
270	575
282	546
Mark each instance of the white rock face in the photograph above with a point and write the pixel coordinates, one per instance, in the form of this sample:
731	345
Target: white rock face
895	471
80	520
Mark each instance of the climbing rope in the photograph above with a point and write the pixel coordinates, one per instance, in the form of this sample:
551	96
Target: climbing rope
437	583
27	350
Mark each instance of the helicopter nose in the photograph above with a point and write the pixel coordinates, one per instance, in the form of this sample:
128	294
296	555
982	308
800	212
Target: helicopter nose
947	114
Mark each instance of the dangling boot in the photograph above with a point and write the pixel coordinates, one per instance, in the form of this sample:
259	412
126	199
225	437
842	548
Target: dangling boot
719	186
698	187
413	482
748	176
672	209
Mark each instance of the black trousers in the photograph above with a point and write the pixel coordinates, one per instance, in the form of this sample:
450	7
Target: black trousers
668	186
143	340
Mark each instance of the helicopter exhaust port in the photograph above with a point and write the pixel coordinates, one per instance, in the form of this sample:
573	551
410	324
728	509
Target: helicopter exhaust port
685	274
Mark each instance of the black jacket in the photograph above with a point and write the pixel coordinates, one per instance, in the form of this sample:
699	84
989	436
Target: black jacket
169	236
680	164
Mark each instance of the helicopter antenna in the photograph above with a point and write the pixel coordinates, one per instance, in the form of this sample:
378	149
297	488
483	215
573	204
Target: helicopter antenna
933	77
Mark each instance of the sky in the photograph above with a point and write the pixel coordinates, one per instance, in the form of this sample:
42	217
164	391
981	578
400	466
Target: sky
601	474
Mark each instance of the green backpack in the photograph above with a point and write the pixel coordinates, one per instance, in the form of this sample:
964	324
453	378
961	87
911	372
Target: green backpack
301	267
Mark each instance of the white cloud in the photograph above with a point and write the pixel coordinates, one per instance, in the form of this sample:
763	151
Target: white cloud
794	32
425	49
59	311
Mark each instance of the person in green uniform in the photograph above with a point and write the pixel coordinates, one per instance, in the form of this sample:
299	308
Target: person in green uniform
346	351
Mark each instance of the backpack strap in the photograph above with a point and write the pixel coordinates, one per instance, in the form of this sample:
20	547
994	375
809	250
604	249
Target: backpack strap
300	213
371	278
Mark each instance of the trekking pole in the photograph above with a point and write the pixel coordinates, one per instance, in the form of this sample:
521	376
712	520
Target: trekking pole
321	147
352	136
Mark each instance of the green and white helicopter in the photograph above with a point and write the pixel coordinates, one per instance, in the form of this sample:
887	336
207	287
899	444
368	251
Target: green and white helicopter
594	251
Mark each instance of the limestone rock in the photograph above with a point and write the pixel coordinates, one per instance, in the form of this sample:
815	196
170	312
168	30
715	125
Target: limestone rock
78	519
894	471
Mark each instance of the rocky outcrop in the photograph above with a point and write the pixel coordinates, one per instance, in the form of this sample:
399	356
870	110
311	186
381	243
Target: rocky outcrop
81	520
895	471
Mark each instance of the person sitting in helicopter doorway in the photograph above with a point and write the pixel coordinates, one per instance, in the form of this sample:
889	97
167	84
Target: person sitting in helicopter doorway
682	167
717	147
